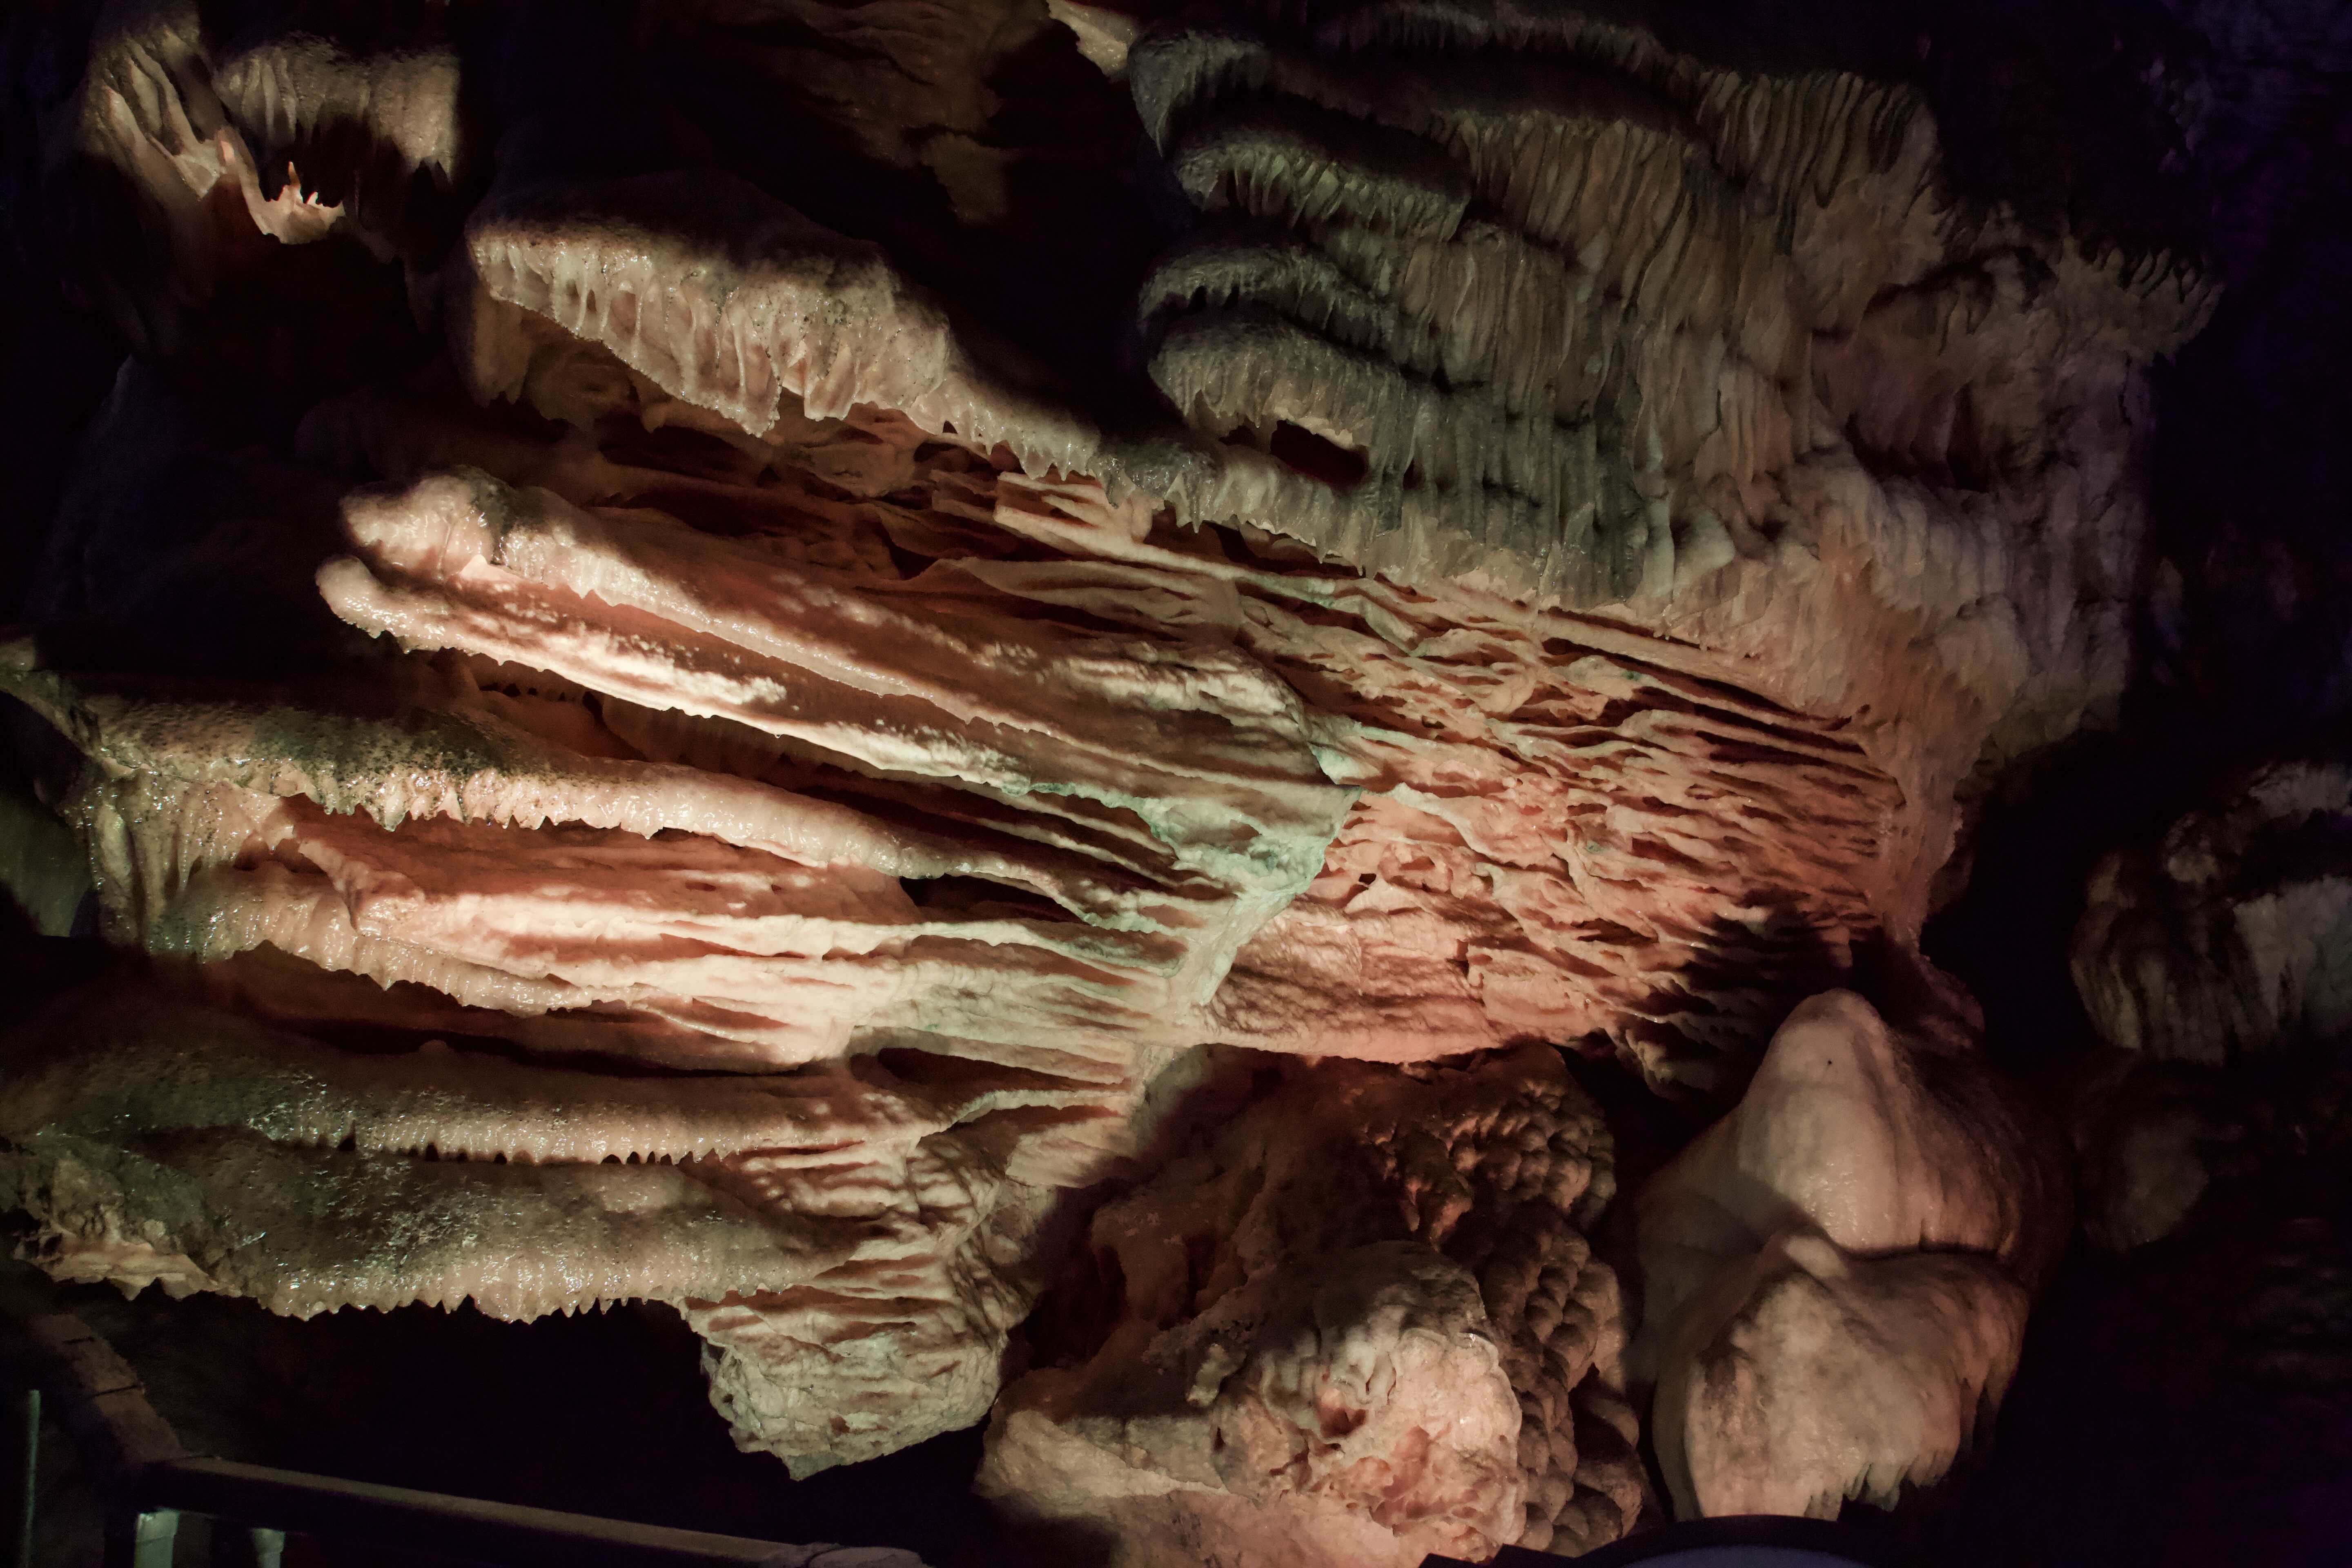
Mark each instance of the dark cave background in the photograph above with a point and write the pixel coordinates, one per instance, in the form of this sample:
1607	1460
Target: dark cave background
2153	1421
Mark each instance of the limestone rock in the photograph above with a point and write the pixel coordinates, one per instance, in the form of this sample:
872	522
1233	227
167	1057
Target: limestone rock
1835	1276
2212	1154
1571	303
1538	571
2145	1133
2231	941
179	144
880	1218
1360	1324
1827	1377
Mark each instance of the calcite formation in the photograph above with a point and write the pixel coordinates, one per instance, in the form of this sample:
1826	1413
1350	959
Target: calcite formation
1836	1274
601	828
2230	941
733	662
1359	1324
2216	964
2143	1133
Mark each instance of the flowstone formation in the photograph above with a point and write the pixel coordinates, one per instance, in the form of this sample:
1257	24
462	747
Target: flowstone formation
735	657
2230	942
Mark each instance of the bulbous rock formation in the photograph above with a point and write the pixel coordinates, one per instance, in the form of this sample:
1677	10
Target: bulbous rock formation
1358	1324
677	682
1835	1276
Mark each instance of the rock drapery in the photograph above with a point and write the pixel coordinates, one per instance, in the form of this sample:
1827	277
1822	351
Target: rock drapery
498	858
795	759
2227	941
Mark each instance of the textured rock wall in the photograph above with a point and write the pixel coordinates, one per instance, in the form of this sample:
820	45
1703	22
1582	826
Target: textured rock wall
2231	940
697	660
1358	1323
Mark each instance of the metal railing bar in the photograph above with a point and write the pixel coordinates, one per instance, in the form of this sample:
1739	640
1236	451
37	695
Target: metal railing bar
508	1534
149	1479
142	1540
246	1545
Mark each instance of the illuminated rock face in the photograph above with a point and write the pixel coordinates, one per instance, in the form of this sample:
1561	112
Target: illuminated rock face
1836	1274
1358	1324
705	768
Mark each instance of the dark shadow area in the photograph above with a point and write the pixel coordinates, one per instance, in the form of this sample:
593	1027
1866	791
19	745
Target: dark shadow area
601	1414
2007	936
2245	634
1032	223
2116	1446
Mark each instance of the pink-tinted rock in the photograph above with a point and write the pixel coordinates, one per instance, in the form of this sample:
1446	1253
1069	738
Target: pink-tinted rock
1557	547
1835	1276
1358	1324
